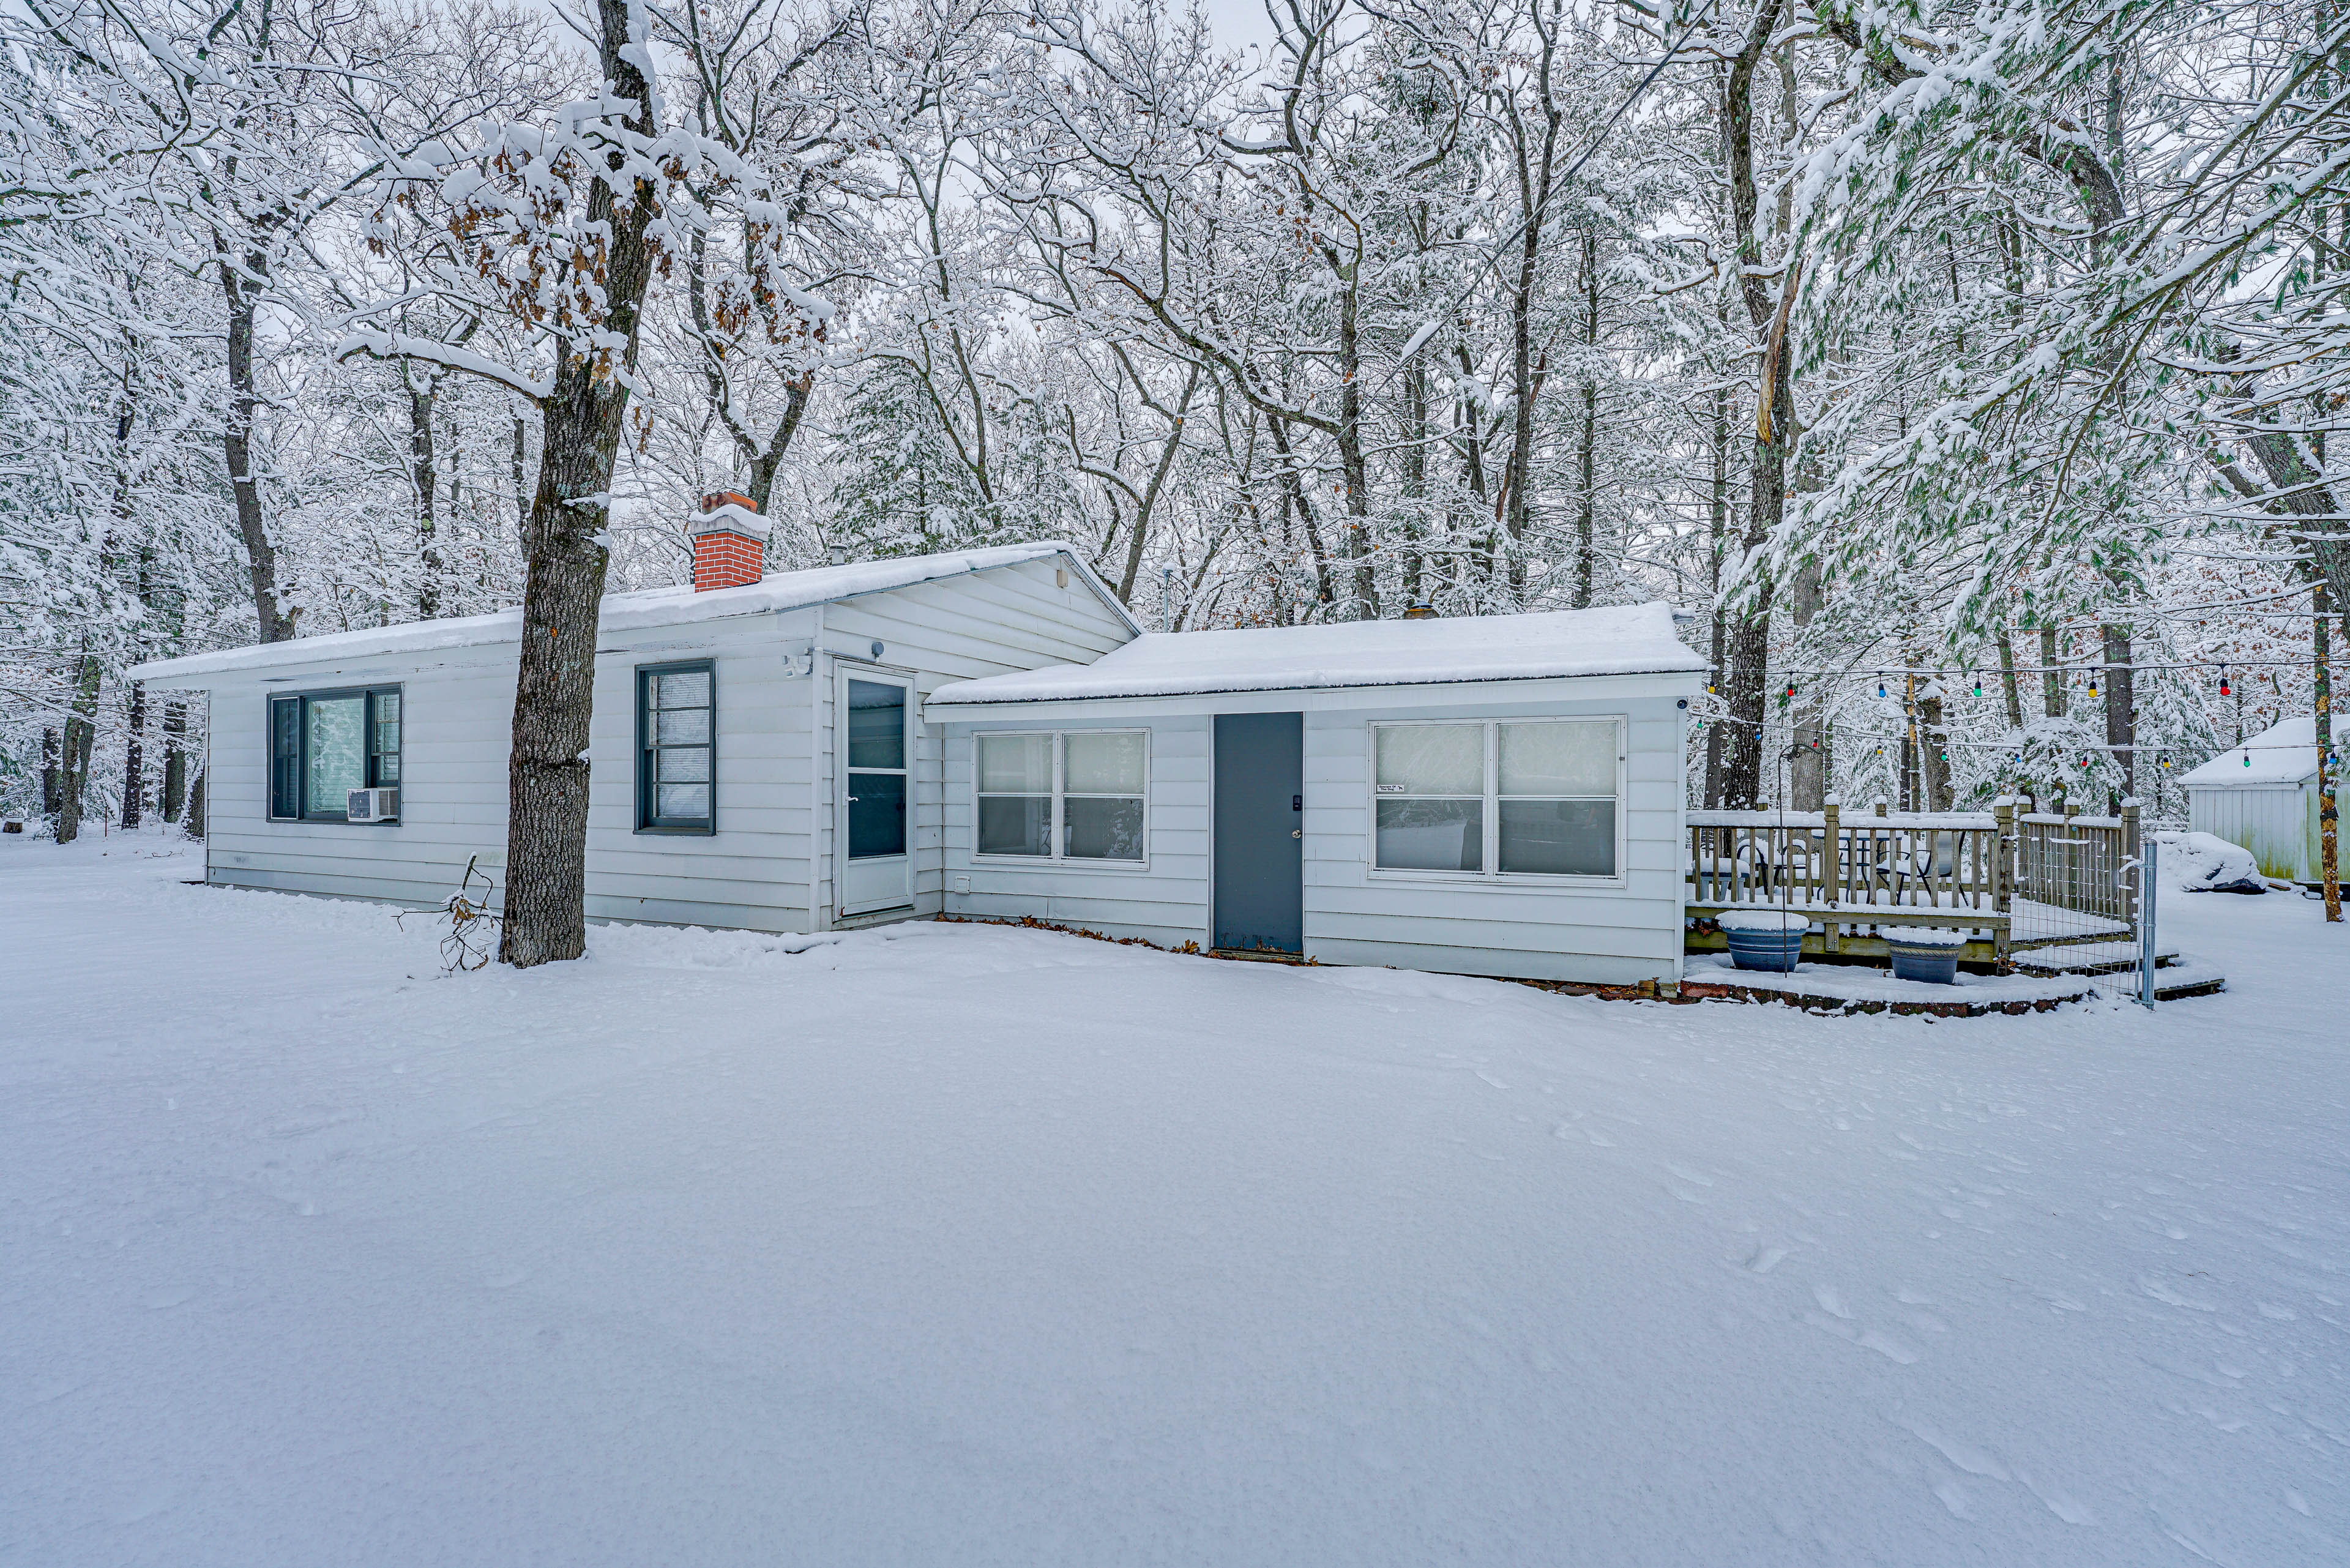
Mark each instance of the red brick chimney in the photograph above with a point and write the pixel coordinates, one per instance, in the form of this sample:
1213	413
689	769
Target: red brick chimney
730	543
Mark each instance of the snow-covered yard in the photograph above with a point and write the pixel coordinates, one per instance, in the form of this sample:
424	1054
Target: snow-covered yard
956	1245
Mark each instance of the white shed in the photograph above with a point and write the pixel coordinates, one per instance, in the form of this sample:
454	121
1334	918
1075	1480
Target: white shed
1499	795
2263	796
756	758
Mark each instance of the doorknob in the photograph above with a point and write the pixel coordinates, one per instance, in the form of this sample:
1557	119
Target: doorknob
1297	833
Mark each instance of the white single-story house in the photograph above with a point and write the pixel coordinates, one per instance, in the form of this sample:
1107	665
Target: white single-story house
2263	796
989	733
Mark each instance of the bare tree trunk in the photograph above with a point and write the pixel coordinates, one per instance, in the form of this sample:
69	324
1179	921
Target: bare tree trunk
2052	679
81	732
2121	705
1807	768
241	283
2007	687
1293	492
134	760
546	822
1415	477
1149	501
196	807
1750	635
1586	488
1352	462
1934	756
53	778
2329	864
425	473
1718	541
521	486
175	759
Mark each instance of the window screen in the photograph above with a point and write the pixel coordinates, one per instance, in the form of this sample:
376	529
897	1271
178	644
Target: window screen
677	748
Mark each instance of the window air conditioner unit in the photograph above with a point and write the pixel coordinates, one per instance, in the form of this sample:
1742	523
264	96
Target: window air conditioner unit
375	805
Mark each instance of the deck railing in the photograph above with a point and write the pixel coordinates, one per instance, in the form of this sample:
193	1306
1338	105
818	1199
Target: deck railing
1951	868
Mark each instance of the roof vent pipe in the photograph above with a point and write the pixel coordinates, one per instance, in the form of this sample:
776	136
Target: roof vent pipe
730	543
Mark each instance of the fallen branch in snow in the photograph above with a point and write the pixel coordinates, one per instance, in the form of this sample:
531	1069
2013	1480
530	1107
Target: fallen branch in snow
472	938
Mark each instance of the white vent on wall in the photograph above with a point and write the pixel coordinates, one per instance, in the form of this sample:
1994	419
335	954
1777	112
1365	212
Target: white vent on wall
374	806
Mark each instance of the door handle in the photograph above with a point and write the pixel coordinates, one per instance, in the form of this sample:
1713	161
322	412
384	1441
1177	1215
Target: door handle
1297	833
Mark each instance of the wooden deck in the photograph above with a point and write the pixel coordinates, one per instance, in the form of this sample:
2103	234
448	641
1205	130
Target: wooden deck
2020	880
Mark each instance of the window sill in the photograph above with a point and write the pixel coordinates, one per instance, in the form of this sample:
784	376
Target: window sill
1526	880
1055	863
710	832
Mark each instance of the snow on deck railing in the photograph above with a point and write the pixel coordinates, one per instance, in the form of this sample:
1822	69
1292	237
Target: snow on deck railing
1849	821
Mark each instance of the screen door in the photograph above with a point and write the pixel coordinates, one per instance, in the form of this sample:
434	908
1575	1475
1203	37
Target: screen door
874	744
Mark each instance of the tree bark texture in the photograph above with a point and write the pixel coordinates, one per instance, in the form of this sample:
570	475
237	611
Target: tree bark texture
240	284
1750	631
81	732
175	759
424	472
2121	705
2051	679
546	913
134	758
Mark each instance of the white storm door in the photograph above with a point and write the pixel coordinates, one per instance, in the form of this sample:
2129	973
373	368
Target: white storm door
874	816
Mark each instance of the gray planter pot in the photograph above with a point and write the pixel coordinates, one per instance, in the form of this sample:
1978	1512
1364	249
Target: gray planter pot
1933	963
1774	951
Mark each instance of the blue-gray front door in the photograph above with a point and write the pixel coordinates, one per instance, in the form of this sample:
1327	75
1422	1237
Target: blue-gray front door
1260	831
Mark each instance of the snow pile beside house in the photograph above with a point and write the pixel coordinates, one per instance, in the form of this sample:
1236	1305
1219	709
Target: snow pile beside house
2200	863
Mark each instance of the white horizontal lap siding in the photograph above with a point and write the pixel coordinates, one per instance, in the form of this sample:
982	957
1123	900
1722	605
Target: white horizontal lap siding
457	725
456	729
955	628
1164	901
1598	932
752	872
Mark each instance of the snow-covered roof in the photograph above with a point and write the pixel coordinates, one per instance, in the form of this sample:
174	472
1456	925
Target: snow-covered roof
649	607
2283	755
1634	639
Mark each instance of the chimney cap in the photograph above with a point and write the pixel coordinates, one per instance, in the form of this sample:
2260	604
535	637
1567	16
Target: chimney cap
729	512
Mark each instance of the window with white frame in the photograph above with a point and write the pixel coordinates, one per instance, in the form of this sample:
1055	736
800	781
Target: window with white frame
1536	797
1076	794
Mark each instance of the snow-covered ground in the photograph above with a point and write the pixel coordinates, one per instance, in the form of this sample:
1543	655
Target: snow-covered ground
961	1245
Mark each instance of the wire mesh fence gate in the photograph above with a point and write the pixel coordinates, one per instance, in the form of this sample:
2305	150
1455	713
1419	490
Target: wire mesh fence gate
2083	901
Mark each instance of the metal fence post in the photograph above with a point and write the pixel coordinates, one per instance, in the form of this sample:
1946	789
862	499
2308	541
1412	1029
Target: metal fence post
2149	852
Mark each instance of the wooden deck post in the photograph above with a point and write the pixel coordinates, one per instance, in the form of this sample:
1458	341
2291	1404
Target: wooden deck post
2002	879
